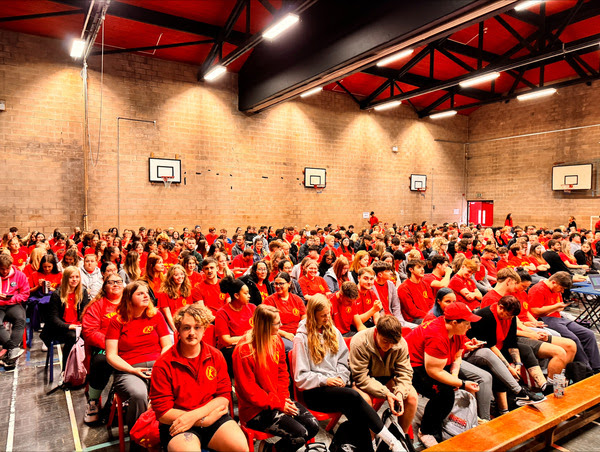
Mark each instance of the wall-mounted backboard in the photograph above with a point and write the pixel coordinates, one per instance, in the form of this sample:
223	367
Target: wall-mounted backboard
159	168
315	177
418	182
572	177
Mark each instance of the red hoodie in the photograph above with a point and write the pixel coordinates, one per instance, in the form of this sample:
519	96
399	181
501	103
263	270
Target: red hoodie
260	387
95	322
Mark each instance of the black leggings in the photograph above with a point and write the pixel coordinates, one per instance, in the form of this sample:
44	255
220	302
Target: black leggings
100	370
331	399
441	400
294	431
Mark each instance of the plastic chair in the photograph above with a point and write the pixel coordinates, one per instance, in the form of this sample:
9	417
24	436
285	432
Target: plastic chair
332	417
253	435
116	405
50	359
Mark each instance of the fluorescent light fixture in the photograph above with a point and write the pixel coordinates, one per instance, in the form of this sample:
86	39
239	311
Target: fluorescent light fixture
444	114
481	79
77	48
279	27
215	72
310	92
527	4
395	57
387	105
536	94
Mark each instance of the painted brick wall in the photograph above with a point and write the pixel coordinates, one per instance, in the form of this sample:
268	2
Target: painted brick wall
517	172
225	154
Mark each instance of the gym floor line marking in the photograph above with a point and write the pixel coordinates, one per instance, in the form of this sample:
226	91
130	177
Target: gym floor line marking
69	400
103	445
11	422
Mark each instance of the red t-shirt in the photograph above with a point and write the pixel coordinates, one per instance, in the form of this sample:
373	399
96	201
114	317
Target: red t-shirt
211	295
19	258
415	298
70	315
169	261
291	310
501	264
230	322
523	297
490	298
490	266
540	295
343	311
53	278
428	279
314	286
210	238
264	292
432	338
384	296
196	278
458	283
164	301
365	300
139	339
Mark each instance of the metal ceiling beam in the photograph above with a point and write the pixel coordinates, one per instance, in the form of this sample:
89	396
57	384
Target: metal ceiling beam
164	20
147	48
348	92
217	47
529	61
425	111
70	12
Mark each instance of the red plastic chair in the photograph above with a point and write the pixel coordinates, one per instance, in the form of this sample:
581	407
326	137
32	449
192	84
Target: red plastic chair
332	417
117	406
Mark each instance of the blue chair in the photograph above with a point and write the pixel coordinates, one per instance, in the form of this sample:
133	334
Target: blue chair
50	359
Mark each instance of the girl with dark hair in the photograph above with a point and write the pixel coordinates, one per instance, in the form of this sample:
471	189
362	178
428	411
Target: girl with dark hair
291	308
261	371
258	282
234	318
48	277
327	260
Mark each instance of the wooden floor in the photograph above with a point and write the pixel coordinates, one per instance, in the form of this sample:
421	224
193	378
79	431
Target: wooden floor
31	420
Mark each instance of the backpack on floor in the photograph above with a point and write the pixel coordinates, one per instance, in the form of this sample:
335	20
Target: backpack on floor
391	422
75	371
463	416
348	438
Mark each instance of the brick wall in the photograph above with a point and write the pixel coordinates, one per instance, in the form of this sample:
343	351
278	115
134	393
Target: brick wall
239	169
517	172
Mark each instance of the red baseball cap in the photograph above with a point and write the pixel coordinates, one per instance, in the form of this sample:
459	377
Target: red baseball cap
460	311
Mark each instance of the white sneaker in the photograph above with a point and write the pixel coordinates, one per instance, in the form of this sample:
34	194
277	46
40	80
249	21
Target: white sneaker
92	411
14	353
44	347
427	440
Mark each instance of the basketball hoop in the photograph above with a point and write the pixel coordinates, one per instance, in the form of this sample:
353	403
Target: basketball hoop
167	180
567	188
421	191
318	189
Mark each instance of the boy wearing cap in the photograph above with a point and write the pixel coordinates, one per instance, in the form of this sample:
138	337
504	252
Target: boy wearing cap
436	349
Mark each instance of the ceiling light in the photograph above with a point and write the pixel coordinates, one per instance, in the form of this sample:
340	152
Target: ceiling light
310	92
443	114
536	94
527	4
279	27
215	72
395	57
481	79
77	48
387	105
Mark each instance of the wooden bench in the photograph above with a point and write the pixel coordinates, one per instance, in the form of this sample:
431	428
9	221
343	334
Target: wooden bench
533	427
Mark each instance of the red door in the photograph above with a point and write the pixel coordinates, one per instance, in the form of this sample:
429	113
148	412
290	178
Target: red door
481	212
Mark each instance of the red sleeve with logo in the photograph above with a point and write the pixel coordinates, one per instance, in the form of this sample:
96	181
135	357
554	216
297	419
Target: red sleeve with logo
428	279
415	300
365	301
164	301
20	258
311	287
139	339
211	295
95	322
490	298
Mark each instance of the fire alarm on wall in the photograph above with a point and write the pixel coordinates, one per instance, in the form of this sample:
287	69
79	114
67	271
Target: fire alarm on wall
394	148
2	105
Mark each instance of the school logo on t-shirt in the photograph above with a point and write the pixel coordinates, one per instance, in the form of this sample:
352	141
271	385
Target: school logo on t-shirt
276	356
184	302
148	329
321	287
424	294
222	296
211	373
368	301
251	321
110	315
348	310
526	305
295	311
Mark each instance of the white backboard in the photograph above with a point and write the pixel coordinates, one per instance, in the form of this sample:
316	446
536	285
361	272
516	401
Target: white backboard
572	177
164	167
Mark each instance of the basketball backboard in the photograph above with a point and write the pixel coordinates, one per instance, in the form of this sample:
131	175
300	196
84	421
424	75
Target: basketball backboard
160	168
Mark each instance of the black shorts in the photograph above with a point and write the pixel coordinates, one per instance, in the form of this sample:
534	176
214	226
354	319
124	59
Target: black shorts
534	344
204	434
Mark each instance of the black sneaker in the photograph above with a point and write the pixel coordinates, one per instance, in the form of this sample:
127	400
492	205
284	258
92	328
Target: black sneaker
548	389
527	397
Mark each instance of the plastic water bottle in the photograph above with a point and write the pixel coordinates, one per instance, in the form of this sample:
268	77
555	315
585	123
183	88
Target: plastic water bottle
560	382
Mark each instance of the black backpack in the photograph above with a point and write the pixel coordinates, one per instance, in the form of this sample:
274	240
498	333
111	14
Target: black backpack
390	421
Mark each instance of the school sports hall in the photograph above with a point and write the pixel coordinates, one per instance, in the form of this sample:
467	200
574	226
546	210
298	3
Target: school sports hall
176	113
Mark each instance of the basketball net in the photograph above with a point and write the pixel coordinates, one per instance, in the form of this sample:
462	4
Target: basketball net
567	188
318	189
167	180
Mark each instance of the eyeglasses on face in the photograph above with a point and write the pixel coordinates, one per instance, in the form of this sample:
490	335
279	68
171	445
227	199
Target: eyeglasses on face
114	282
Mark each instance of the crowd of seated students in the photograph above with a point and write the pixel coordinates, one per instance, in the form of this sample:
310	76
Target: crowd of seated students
312	292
